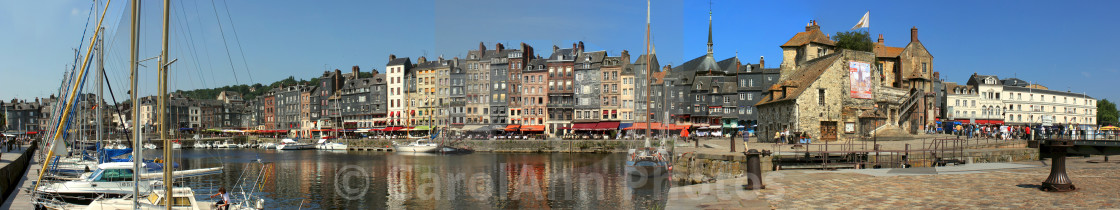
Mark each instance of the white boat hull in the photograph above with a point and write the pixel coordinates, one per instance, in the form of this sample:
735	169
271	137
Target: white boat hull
296	146
424	149
332	146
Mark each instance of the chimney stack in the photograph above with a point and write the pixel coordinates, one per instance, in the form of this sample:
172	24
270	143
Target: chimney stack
555	48
392	57
481	50
355	70
499	47
761	62
625	56
581	46
421	60
880	38
914	34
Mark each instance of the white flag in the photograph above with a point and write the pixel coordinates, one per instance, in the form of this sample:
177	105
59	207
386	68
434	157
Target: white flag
863	22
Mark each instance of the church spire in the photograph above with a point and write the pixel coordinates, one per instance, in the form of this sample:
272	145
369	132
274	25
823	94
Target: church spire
709	27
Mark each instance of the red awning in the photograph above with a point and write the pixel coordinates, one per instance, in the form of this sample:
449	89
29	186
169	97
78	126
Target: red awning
606	126
606	111
614	111
32	132
584	126
512	127
642	126
532	128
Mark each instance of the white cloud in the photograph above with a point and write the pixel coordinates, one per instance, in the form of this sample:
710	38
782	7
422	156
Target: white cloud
74	11
1086	74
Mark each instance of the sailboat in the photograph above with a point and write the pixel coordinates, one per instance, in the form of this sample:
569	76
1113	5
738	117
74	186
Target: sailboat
110	182
648	160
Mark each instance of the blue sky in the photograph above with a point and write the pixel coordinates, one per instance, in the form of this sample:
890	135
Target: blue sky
1063	45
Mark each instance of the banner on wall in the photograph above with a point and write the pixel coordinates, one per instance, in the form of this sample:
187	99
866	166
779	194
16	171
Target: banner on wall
860	75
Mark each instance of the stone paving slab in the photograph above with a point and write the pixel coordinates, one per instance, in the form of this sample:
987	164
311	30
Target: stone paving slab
970	186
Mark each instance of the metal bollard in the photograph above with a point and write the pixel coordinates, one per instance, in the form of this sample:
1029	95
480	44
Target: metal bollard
1058	181
754	169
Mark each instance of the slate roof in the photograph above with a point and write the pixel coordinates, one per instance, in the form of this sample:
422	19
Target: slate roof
595	58
399	61
535	63
976	79
566	51
1015	82
811	36
1048	92
797	82
728	65
642	60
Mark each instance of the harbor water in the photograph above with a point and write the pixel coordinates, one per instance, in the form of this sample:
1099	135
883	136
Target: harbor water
320	179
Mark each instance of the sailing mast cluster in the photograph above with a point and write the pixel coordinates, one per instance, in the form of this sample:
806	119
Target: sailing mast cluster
80	176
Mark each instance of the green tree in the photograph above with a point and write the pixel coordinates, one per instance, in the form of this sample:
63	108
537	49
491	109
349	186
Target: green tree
1106	112
853	40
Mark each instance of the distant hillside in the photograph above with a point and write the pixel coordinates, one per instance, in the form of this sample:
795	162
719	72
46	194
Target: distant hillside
251	92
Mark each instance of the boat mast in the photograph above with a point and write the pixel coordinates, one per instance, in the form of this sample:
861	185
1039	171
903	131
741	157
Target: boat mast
137	145
100	87
65	112
648	132
163	62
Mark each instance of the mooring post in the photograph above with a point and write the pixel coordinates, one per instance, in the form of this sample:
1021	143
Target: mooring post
1058	181
754	169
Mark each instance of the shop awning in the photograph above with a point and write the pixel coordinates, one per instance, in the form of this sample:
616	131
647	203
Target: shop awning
512	127
623	126
421	128
393	128
606	126
584	126
642	126
363	130
533	128
715	127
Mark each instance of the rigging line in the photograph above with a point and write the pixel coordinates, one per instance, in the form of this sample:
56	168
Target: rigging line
190	46
237	39
184	44
115	104
224	42
205	49
190	49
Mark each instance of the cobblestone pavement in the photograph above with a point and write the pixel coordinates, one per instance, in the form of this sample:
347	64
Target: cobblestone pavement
1098	188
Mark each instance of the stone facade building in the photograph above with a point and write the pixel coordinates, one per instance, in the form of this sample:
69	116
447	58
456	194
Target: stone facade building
535	95
815	100
517	64
561	97
613	86
587	87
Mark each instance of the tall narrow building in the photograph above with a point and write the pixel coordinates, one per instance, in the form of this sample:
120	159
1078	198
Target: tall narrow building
397	71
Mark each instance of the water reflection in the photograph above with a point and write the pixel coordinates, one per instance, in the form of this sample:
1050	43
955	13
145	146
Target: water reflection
377	180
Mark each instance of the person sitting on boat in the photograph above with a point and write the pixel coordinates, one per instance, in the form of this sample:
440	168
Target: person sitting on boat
224	203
